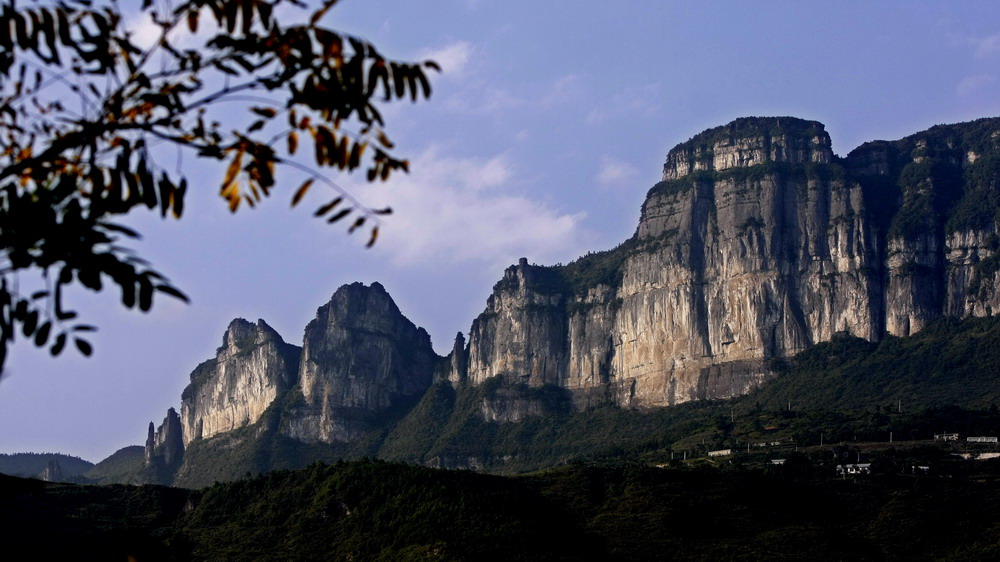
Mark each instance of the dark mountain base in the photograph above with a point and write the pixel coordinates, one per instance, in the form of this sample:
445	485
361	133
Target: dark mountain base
379	511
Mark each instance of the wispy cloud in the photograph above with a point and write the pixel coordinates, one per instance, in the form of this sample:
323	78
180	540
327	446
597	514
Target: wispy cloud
987	46
444	215
638	101
615	173
973	85
484	97
453	57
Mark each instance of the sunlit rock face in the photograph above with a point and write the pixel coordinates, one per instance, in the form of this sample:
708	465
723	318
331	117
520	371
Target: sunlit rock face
250	370
937	193
360	356
748	142
758	243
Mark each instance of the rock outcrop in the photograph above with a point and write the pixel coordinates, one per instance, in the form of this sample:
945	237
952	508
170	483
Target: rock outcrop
359	356
758	243
250	370
53	472
165	446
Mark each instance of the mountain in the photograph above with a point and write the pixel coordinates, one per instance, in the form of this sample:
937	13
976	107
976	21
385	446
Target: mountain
758	244
51	467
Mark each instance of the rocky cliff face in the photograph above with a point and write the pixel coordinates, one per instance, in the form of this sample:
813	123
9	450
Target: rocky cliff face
359	356
165	446
250	370
938	196
758	242
747	142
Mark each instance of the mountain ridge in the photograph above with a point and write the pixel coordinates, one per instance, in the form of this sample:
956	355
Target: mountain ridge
758	243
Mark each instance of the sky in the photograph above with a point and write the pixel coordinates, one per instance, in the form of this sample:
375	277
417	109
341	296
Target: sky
546	129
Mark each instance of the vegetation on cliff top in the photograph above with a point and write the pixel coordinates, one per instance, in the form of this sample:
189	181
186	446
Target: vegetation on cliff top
752	127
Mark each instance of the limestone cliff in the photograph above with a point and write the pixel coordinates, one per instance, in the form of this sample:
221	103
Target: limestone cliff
250	370
360	356
758	243
938	196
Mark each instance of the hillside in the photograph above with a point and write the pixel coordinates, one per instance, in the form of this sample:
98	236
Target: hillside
47	466
377	511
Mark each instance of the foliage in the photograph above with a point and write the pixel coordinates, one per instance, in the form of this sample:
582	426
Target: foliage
751	127
367	510
122	465
597	268
67	176
948	363
374	510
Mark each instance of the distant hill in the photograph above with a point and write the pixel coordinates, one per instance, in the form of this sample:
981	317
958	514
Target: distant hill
33	465
122	466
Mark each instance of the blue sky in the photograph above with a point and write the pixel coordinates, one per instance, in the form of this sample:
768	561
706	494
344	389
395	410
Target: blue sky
549	125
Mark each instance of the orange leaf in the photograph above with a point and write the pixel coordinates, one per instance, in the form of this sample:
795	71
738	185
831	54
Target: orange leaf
382	138
301	192
234	169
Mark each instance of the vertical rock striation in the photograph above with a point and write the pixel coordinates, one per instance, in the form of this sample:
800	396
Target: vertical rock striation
360	356
250	370
165	447
758	243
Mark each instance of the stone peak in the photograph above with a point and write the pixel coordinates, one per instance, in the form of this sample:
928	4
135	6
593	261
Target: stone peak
356	299
751	127
358	286
241	334
749	141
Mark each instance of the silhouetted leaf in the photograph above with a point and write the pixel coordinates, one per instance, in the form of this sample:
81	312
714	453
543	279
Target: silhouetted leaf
301	192
172	292
59	344
266	112
357	224
382	138
83	346
340	214
328	207
145	294
42	334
